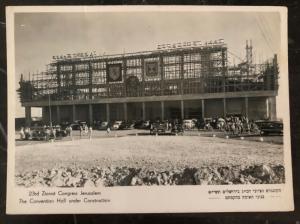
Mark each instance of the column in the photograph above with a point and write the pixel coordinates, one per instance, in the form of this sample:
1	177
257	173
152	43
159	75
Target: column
182	109
224	107
162	103
125	111
144	111
90	114
246	107
203	109
267	115
58	114
44	114
28	116
74	112
107	113
272	108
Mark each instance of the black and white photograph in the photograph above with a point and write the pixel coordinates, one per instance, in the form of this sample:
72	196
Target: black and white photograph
106	99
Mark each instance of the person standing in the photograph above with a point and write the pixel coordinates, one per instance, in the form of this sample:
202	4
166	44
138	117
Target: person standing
90	132
54	133
22	134
80	130
86	129
108	129
71	132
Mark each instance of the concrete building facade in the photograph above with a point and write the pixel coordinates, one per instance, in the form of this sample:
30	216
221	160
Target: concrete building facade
189	82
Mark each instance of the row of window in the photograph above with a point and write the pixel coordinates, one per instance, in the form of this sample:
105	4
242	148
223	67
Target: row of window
193	57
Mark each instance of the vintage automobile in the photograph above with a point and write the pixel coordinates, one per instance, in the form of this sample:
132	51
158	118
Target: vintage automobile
270	127
46	133
116	125
162	127
189	124
96	124
60	132
142	124
125	125
103	125
38	133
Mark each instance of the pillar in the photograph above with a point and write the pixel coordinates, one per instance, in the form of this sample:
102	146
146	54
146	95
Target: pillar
267	114
50	116
224	107
182	109
246	107
144	111
90	114
272	108
58	114
74	112
162	103
28	116
203	109
125	111
107	113
44	114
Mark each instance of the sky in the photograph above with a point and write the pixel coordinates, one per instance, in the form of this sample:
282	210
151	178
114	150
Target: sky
39	36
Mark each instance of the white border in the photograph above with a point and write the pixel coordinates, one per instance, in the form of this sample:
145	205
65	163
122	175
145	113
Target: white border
150	199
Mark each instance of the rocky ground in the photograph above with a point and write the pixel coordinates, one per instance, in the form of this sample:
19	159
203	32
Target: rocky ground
124	176
149	160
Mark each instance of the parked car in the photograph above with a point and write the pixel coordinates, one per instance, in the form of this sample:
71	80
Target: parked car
64	125
146	124
75	126
158	127
38	133
60	132
103	125
138	124
116	125
96	124
189	123
126	125
165	127
177	128
270	127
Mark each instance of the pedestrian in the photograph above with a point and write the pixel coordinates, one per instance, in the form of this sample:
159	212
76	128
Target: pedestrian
86	129
80	130
108	129
70	132
26	133
22	134
90	132
54	133
47	134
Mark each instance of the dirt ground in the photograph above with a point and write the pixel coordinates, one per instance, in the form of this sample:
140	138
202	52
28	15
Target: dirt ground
144	151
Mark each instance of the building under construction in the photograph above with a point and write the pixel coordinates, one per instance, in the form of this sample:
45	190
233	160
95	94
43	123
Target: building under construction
189	80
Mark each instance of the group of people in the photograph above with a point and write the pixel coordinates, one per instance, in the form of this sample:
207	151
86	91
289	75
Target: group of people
25	133
48	132
45	133
233	125
85	130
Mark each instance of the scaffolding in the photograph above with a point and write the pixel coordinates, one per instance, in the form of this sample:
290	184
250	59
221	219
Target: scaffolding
192	70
